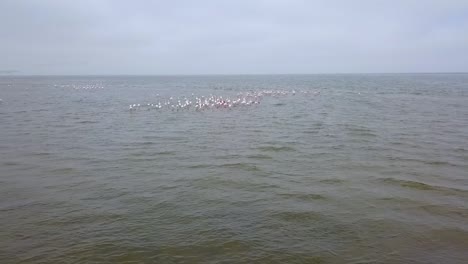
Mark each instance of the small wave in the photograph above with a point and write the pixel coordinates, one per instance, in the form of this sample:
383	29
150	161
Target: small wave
40	110
217	182
165	153
241	165
298	216
439	163
86	122
297	116
361	131
457	237
395	200
142	159
10	163
39	154
199	166
260	157
19	204
315	131
145	143
303	196
425	187
332	181
410	184
364	134
227	157
63	170
275	149
461	150
427	162
445	210
358	129
147	154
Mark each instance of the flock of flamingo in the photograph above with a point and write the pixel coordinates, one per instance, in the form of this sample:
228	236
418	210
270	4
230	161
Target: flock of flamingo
212	102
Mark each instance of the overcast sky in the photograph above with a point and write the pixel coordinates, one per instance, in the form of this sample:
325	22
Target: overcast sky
232	37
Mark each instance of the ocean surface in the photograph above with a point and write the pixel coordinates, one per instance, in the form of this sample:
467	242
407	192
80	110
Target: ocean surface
304	169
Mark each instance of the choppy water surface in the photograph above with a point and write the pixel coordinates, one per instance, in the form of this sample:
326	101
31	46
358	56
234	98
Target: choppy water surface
372	169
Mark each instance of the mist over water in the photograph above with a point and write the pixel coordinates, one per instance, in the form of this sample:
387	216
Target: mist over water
372	169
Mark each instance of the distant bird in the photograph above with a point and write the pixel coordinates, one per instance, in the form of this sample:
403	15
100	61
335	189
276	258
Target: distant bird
213	102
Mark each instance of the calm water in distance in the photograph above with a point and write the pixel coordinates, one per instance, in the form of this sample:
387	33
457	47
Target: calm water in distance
374	169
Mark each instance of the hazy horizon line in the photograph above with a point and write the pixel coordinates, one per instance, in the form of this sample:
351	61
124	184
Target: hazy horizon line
230	74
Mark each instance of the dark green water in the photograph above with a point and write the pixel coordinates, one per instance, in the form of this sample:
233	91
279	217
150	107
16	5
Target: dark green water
374	169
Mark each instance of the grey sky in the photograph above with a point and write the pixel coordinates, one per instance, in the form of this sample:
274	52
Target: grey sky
230	37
